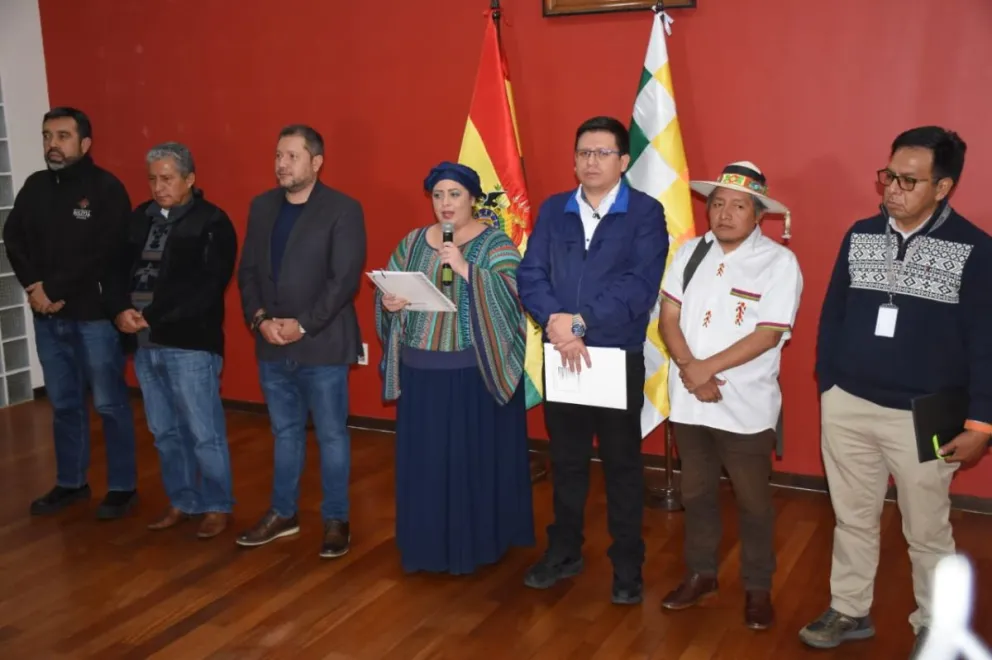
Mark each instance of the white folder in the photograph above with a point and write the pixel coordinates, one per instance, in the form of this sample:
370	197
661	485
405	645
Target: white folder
604	384
414	287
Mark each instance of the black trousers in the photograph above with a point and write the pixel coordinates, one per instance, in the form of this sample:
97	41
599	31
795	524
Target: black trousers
571	429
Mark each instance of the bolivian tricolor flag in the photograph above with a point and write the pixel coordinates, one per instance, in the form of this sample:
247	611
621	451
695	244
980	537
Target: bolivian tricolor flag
491	146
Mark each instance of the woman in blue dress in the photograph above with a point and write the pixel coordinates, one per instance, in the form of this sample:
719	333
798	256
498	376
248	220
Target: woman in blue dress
463	490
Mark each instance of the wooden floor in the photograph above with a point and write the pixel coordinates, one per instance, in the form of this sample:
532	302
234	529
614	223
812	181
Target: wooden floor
73	587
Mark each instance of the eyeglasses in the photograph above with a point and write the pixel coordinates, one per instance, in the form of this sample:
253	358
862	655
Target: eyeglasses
601	154
907	183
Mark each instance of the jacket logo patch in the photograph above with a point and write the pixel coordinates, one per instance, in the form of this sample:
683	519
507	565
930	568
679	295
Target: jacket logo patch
82	210
746	295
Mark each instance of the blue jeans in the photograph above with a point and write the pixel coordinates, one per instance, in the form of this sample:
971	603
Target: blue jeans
291	389
74	354
181	389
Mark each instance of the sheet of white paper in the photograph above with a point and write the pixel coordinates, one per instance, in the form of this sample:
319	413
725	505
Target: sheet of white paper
604	384
413	286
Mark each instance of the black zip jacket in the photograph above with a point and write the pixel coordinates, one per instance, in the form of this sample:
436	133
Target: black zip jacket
187	308
62	232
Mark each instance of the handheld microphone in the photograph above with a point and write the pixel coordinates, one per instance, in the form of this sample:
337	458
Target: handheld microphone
448	235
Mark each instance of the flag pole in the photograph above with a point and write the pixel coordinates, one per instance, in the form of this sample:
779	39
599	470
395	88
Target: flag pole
538	459
667	497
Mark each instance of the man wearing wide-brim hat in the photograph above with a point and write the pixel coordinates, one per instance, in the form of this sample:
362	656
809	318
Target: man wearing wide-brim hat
729	300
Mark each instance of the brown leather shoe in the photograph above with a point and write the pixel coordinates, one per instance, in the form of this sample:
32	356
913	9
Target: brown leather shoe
213	524
758	610
171	518
337	539
268	529
693	590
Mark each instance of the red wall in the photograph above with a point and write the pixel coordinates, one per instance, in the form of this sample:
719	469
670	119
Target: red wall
812	92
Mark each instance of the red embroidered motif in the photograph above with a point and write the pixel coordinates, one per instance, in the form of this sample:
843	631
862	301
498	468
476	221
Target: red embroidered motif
739	316
706	318
719	271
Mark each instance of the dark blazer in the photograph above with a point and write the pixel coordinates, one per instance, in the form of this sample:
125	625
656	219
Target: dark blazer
319	279
187	308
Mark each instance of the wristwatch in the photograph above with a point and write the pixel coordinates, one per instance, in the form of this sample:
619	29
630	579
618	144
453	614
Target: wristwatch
578	327
259	319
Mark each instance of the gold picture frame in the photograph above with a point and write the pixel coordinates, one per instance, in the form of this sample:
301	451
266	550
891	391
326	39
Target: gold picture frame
571	7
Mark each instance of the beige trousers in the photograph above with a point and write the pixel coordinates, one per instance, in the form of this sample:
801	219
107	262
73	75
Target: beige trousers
863	444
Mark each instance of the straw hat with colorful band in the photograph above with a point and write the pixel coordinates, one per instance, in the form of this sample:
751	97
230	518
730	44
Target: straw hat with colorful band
746	177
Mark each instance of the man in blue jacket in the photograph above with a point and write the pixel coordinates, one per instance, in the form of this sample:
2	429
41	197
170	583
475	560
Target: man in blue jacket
590	277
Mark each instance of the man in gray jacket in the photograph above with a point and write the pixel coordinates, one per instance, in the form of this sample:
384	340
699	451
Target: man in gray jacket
300	270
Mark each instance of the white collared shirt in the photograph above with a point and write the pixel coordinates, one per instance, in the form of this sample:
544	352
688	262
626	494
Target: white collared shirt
907	234
590	216
758	285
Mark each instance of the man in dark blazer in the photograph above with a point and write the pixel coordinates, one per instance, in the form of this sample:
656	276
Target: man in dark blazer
300	269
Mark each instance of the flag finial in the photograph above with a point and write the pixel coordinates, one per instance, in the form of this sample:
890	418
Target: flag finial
497	12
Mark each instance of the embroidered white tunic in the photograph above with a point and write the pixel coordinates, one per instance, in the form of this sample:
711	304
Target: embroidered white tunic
758	285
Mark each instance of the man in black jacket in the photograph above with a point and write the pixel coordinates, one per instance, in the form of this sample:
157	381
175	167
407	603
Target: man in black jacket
169	298
60	236
301	265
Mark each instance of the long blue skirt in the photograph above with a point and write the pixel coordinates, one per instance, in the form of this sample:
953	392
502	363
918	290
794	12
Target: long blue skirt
463	490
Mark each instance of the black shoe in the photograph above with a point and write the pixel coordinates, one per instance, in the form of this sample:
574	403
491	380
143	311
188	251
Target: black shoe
545	573
116	504
627	592
337	539
59	498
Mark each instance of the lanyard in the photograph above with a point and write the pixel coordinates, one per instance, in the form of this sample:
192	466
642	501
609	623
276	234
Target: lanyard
893	274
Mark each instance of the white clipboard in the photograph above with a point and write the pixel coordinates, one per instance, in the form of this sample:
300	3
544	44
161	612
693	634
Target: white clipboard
414	287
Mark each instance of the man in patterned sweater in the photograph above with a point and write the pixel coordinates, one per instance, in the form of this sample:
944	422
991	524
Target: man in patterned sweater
907	314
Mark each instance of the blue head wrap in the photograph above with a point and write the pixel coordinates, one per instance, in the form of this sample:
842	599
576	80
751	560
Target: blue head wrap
448	171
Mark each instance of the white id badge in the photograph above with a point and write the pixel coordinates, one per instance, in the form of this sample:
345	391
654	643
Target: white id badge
885	325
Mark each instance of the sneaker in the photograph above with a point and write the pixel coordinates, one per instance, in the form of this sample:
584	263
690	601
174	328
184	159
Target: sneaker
268	529
337	539
833	629
116	504
627	592
549	570
59	498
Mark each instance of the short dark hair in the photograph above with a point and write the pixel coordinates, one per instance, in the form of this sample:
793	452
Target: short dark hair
607	125
83	125
313	140
947	147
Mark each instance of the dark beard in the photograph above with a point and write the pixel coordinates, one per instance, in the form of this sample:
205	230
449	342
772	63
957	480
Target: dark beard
297	186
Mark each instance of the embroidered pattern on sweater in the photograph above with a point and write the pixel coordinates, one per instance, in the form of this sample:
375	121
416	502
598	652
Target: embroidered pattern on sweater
933	273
